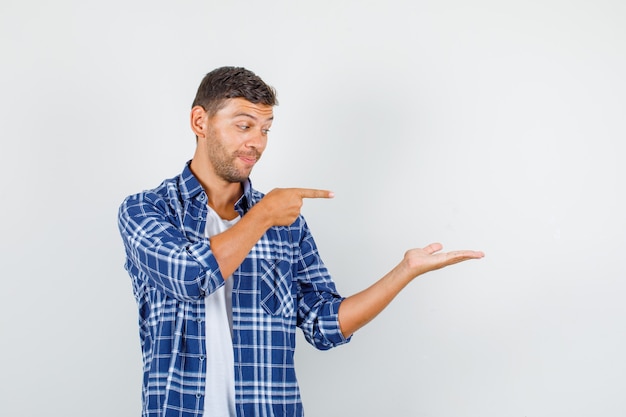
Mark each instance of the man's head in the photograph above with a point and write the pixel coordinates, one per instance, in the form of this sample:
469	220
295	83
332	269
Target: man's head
232	82
231	117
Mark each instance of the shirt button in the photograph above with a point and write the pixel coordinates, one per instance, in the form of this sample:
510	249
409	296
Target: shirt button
201	357
198	395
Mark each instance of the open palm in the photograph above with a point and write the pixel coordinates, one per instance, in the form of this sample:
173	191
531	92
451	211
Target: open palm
429	258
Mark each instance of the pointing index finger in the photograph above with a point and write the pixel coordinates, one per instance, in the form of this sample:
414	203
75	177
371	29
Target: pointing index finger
313	193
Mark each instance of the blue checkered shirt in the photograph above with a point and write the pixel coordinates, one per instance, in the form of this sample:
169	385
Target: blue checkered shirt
281	284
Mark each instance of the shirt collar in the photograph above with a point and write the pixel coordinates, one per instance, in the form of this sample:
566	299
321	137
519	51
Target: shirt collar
245	202
189	184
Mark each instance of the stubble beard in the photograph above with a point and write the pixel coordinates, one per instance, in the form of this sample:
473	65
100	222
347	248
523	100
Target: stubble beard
224	163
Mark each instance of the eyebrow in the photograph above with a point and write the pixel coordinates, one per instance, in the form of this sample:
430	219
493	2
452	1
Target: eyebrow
253	117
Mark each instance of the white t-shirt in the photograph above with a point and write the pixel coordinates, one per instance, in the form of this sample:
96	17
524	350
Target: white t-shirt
220	376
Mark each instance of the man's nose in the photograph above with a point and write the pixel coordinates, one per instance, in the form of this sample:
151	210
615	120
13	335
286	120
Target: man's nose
257	140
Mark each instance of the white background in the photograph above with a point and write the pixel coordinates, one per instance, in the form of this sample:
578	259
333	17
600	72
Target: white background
488	125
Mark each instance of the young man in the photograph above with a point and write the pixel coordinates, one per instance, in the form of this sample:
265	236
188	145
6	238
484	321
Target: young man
223	274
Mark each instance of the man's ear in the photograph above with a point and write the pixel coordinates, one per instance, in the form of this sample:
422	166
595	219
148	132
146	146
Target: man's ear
198	121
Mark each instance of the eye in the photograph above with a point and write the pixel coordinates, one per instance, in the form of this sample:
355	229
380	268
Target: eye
243	127
265	131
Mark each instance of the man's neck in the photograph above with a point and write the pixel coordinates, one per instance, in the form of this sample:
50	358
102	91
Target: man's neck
224	207
222	194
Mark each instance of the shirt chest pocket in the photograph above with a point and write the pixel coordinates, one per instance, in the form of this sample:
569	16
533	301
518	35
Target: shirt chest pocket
276	287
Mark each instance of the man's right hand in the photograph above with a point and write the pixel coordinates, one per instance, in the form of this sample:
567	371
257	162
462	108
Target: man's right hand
282	206
279	207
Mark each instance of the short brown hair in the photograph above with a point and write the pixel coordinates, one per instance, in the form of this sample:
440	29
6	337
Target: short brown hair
232	82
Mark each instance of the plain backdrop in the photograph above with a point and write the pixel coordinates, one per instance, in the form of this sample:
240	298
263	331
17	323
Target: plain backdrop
488	125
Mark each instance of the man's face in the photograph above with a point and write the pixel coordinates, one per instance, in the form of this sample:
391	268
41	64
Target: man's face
236	138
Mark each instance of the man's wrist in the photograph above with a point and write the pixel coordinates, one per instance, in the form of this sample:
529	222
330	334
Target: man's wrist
259	217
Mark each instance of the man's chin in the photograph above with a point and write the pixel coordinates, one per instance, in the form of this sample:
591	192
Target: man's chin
238	177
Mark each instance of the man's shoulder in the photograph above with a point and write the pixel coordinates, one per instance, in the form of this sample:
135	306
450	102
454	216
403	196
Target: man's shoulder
167	193
184	184
164	189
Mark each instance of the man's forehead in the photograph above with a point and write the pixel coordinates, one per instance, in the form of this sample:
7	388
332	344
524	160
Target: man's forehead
240	105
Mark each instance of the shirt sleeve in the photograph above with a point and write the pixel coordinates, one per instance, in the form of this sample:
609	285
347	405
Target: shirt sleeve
159	253
318	299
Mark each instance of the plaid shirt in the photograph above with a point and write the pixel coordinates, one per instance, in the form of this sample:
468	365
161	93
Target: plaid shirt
281	284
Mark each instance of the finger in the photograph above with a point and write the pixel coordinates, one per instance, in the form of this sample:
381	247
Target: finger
467	254
432	248
473	254
313	193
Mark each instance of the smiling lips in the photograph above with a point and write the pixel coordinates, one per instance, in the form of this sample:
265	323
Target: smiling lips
249	157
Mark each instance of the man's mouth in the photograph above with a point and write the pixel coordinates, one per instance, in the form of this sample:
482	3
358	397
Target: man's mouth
250	158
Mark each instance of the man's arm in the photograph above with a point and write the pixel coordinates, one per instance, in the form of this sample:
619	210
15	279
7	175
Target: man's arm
186	270
358	310
158	251
280	207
